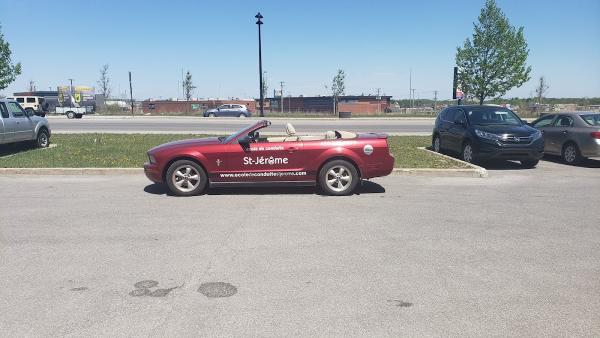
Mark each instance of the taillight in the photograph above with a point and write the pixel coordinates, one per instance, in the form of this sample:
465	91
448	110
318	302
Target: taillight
596	134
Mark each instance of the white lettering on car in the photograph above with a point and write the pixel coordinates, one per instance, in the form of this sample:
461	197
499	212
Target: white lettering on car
261	160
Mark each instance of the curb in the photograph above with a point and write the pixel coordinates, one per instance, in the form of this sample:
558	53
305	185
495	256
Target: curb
431	172
480	171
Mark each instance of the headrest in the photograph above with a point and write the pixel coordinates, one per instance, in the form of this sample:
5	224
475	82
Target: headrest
290	130
330	135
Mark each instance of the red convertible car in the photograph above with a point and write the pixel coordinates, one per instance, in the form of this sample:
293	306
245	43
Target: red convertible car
336	160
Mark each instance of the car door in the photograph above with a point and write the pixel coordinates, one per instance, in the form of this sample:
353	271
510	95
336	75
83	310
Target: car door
23	127
456	129
444	126
8	123
560	132
226	110
543	124
264	161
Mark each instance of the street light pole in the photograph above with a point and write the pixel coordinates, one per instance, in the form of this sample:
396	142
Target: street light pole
259	23
71	97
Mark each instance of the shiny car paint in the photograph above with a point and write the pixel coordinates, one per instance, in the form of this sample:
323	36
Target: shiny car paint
227	161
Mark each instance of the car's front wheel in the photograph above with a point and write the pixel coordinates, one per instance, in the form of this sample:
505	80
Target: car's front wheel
242	115
43	139
211	115
467	153
186	178
529	163
338	178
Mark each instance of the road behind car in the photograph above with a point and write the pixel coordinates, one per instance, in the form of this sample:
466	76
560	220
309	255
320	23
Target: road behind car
515	254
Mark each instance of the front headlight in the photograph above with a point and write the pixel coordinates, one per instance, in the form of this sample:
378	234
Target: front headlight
536	135
486	135
151	159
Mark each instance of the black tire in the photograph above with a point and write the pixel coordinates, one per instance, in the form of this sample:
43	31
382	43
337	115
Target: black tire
70	115
43	139
529	164
337	187
467	154
175	181
570	154
78	116
436	144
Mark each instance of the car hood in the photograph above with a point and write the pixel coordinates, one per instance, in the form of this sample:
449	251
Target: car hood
523	130
37	119
206	141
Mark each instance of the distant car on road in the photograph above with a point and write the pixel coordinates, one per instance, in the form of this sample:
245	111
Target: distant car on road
229	110
487	132
18	125
573	136
335	160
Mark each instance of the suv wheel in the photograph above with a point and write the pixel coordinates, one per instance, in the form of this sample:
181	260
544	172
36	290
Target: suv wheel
436	144
338	178
571	154
43	139
186	178
467	153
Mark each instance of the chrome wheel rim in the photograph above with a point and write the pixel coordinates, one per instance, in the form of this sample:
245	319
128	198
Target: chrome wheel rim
43	141
468	153
436	144
338	178
211	115
185	178
242	116
570	154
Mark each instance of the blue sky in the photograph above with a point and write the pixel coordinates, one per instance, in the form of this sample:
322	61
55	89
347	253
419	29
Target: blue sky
304	43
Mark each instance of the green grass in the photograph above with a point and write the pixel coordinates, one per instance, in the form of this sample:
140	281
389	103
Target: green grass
129	151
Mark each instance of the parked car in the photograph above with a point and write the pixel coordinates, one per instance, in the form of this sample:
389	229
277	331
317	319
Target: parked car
480	133
336	160
230	110
32	104
573	136
18	125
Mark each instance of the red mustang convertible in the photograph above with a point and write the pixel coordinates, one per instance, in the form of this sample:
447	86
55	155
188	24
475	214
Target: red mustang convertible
336	160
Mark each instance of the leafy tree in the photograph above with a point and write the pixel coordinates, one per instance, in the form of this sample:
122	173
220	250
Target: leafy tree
188	86
541	89
104	81
8	71
494	61
337	88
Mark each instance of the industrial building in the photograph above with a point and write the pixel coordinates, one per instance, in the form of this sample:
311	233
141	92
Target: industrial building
357	105
190	107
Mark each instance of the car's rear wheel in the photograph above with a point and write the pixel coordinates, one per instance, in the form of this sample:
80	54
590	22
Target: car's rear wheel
529	163
467	153
186	178
43	139
338	178
436	144
571	154
70	115
211	115
242	115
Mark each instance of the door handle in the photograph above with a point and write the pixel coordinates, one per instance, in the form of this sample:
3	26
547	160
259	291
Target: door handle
565	132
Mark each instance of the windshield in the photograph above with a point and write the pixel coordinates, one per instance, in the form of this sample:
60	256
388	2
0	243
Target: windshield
591	119
232	136
492	116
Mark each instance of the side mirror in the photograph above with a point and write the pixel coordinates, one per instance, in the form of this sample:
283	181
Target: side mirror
246	139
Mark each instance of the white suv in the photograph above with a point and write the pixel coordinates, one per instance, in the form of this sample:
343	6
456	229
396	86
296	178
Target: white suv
31	104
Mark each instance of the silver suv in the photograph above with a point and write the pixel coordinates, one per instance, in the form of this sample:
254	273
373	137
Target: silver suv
17	125
232	110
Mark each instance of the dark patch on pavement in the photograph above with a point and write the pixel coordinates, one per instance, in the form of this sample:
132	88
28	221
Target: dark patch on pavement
217	289
82	288
142	288
400	303
145	284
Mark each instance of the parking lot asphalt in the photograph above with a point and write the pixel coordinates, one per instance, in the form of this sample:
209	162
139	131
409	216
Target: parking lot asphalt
516	254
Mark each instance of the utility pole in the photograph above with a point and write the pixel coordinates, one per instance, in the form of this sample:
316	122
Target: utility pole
131	94
410	91
378	101
182	85
435	92
281	95
412	100
260	80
